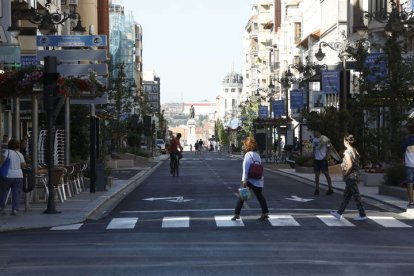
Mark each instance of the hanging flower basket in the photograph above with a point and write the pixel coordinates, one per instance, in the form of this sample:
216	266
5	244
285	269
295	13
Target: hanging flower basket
30	80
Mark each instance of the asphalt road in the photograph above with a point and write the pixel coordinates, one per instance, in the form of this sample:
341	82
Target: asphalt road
181	226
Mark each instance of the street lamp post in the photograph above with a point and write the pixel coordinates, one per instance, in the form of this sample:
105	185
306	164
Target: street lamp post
343	47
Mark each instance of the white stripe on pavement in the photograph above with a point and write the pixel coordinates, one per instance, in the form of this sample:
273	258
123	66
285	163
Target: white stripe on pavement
176	222
67	227
122	223
282	220
389	222
332	221
225	221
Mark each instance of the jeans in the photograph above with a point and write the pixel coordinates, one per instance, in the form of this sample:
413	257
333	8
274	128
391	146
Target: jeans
16	185
259	195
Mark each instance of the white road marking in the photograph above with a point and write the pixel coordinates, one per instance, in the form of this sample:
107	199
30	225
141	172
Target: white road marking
176	222
389	222
282	220
67	227
122	223
332	221
225	221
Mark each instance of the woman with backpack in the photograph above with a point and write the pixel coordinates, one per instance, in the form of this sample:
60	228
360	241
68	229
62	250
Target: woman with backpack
251	180
350	171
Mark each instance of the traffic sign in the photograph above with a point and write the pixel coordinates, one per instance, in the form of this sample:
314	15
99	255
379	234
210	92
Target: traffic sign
71	40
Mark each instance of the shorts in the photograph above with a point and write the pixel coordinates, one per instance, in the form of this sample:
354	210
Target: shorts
409	175
320	166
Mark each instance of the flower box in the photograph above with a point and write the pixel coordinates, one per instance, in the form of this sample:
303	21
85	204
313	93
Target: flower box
372	179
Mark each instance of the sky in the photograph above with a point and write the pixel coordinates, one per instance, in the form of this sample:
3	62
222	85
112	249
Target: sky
191	44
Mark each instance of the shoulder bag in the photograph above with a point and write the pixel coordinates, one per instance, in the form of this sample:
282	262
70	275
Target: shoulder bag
4	169
255	170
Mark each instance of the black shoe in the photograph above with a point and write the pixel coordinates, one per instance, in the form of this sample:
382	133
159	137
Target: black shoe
329	192
235	217
316	192
264	217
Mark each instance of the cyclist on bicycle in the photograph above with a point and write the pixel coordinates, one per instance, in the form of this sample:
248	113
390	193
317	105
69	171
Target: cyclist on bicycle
175	148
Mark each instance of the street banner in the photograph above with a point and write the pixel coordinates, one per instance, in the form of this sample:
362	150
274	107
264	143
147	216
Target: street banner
331	81
263	111
296	100
318	98
28	61
377	65
279	108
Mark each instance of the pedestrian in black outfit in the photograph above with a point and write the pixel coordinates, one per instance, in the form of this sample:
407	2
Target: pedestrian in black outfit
350	171
256	185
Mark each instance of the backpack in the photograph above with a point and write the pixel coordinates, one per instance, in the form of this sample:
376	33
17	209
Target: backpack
255	170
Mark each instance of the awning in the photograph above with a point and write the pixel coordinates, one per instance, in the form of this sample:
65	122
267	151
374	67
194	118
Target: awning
304	43
267	25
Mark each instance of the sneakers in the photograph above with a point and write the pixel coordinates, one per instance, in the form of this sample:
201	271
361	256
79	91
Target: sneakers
13	212
263	217
337	215
410	205
359	218
329	192
235	217
316	192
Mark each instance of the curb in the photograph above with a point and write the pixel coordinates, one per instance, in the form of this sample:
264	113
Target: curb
308	181
109	202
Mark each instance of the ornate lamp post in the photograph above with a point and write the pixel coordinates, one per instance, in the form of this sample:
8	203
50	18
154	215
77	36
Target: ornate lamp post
46	20
344	55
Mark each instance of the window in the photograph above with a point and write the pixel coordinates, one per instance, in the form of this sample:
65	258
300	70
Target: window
298	32
226	90
233	103
233	90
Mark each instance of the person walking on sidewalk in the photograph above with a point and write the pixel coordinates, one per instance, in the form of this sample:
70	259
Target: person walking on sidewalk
408	150
321	147
350	170
256	185
14	178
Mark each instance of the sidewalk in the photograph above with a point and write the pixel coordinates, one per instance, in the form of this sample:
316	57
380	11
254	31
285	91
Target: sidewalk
79	207
87	205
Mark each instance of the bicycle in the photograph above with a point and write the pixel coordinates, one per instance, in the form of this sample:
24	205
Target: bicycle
175	165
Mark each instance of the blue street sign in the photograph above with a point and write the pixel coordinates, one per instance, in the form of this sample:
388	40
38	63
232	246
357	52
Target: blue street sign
263	111
71	40
279	108
377	65
330	81
29	61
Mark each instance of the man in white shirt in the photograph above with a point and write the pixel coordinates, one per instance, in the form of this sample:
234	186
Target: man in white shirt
321	147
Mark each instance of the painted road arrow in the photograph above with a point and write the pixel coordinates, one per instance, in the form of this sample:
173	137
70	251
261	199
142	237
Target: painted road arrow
171	199
298	199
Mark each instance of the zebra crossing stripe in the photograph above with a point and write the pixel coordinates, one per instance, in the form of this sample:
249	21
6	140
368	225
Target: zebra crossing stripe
282	220
67	227
389	222
225	221
122	223
176	222
332	221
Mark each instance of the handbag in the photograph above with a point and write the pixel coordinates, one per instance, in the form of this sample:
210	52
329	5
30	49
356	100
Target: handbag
4	169
245	193
255	170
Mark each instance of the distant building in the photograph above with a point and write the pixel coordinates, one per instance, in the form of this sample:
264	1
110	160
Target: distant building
228	99
201	108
